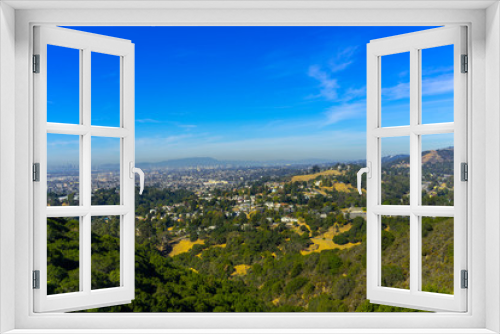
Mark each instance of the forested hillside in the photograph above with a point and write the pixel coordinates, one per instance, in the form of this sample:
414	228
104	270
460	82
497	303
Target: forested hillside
277	276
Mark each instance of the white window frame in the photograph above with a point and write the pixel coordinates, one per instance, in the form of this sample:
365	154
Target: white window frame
483	100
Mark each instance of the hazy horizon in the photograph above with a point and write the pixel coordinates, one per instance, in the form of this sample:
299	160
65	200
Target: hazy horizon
254	163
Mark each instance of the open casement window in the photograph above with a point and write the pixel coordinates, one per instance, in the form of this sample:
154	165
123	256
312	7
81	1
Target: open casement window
89	79
402	279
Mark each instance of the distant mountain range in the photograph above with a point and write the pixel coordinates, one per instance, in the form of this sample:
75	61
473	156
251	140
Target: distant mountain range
395	158
432	156
207	162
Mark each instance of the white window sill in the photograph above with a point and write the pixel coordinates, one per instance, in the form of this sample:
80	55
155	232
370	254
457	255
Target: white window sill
251	331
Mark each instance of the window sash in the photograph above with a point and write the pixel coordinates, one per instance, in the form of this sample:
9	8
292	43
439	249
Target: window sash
86	297
413	43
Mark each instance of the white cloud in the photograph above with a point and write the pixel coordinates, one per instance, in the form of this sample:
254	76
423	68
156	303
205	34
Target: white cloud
398	92
160	141
342	59
64	143
329	86
439	85
344	111
182	126
430	86
437	70
187	126
353	93
147	120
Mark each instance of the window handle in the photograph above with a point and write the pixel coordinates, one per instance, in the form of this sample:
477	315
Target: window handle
133	171
368	171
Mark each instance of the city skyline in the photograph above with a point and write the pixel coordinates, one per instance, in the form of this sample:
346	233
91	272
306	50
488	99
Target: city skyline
250	93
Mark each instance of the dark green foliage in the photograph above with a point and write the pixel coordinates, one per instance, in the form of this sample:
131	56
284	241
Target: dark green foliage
395	251
105	252
62	255
325	303
296	270
193	237
391	275
341	239
354	235
106	197
396	182
329	262
295	284
342	287
161	286
437	255
387	239
426	228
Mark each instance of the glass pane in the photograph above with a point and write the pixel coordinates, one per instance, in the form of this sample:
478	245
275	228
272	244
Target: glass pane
63	170
437	169
105	90
395	99
105	171
63	85
63	255
105	252
395	252
395	170
437	254
437	84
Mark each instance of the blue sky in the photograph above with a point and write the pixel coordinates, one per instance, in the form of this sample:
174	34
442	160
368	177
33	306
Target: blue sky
249	93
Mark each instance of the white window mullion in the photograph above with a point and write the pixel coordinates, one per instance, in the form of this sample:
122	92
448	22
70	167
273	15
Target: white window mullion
103	131
414	170
396	131
124	177
373	263
86	251
127	235
81	185
80	130
432	129
86	163
405	210
421	129
86	181
397	210
67	129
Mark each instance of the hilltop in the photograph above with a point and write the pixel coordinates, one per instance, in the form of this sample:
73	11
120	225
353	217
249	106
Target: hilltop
435	156
428	157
